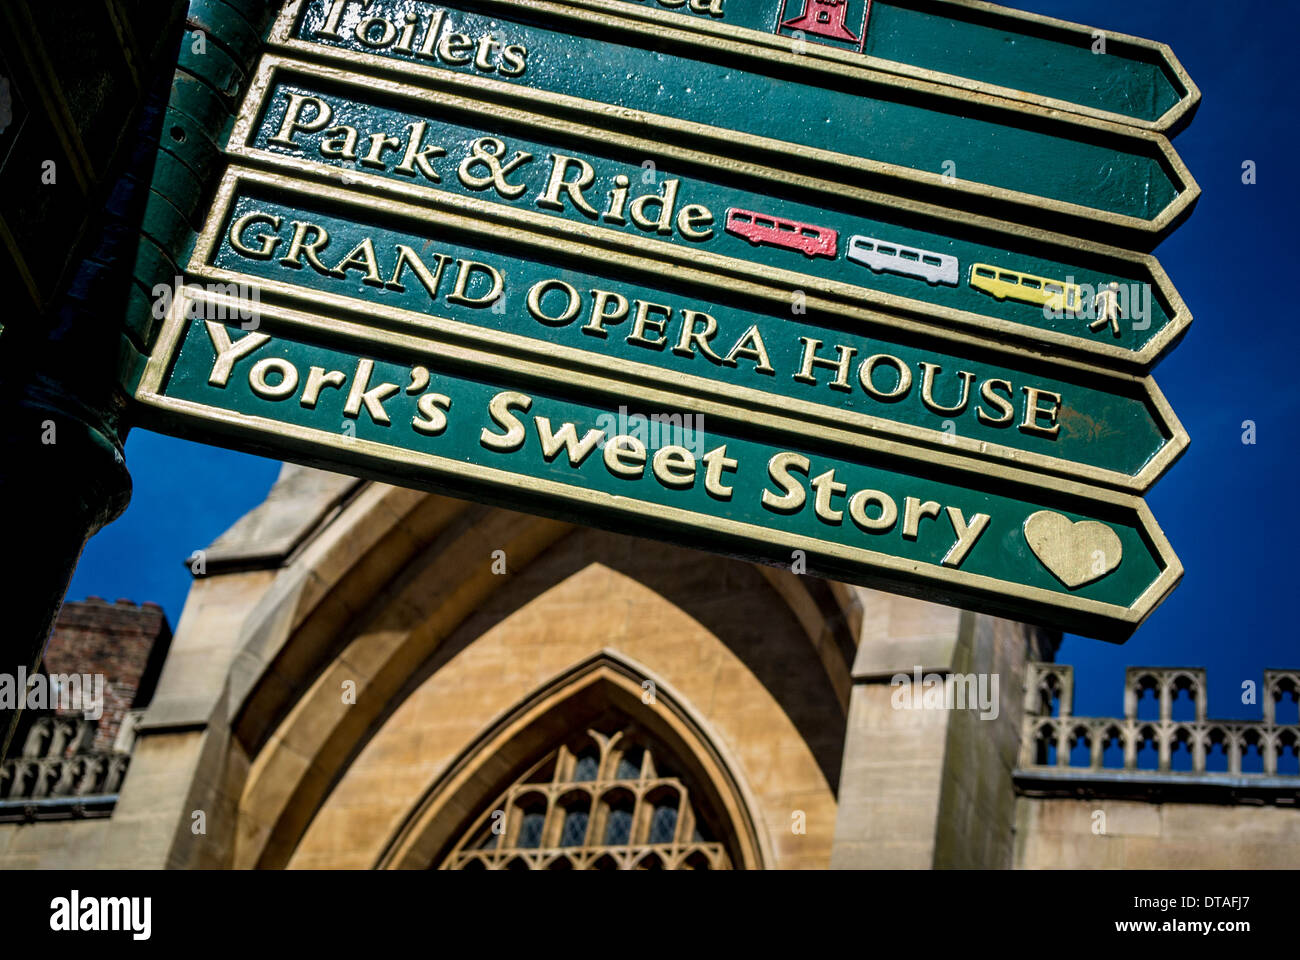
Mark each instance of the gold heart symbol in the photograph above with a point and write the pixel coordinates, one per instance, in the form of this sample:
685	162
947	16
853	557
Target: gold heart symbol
1074	552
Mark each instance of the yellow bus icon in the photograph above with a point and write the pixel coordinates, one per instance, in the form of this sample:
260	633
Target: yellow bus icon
1025	287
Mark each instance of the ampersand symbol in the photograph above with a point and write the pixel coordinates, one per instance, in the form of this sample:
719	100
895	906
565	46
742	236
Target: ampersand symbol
487	152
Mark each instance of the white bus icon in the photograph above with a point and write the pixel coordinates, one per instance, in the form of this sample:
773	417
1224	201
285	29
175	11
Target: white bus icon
880	255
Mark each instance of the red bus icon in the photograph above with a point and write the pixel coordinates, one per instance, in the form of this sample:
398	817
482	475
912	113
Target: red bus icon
759	228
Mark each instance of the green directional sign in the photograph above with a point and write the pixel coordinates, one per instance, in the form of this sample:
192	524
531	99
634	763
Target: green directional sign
345	395
880	256
897	134
841	296
973	45
449	276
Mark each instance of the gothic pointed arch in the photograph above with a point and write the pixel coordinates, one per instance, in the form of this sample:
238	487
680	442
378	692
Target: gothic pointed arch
602	768
388	618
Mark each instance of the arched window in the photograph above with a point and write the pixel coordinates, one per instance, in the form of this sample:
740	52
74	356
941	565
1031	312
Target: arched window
585	774
1112	749
612	798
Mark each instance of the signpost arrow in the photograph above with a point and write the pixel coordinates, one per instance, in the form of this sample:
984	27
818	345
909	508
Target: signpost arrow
457	277
859	249
964	43
346	396
794	306
896	134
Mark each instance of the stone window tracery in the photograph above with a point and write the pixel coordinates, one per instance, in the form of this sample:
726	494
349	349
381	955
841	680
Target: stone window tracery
609	798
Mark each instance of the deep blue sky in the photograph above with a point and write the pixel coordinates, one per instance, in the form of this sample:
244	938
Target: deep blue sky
1225	506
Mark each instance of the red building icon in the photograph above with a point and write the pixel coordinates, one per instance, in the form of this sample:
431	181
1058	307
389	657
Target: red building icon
824	18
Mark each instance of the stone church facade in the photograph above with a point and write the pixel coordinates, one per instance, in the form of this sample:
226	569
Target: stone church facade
366	676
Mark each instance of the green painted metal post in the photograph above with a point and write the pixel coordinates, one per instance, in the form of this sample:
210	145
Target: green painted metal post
77	156
62	479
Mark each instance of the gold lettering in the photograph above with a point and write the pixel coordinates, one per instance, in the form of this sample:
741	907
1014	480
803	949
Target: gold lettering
513	60
454	49
430	36
866	374
361	258
540	289
387	33
825	488
1000	403
751	344
268	241
430	280
465	270
967	534
341	142
928	371
317	380
414	156
331	26
228	352
549	199
1034	410
663	222
378	144
403	45
858	504
699	338
914	511
793	496
695	215
625	456
432	418
643	321
300	246
566	438
487	45
499	408
617	200
292	119
674	467
716	462
841	365
601	316
288	378
373	398
488	151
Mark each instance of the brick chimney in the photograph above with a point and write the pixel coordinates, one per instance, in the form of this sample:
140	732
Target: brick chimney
124	642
